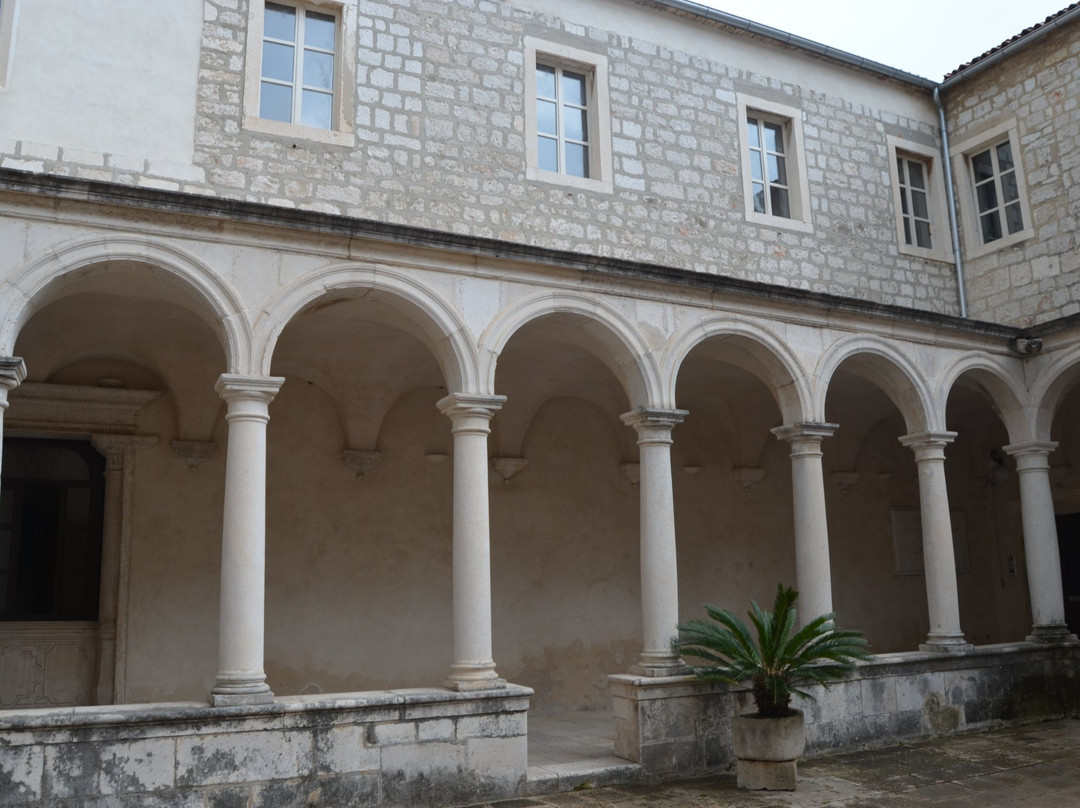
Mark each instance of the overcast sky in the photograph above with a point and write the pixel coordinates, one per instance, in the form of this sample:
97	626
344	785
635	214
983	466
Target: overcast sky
926	37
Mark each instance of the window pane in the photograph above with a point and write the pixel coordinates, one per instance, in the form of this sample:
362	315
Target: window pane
900	170
779	199
545	81
275	102
78	506
904	203
575	125
1004	155
987	195
759	197
316	109
907	230
577	160
918	202
547	154
277	61
318	70
279	22
545	117
1014	218
573	87
774	138
752	134
319	31
1009	191
991	227
922	233
982	166
755	167
915	175
777	169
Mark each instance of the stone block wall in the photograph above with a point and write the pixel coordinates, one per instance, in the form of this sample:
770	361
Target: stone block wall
395	748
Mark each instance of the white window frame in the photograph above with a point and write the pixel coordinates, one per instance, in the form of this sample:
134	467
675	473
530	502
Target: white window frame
9	18
941	243
595	68
344	109
790	120
961	155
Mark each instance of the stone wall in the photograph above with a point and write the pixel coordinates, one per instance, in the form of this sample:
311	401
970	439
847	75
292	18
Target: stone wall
393	748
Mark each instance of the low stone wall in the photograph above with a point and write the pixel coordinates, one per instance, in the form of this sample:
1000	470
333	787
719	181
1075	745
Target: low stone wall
393	748
679	724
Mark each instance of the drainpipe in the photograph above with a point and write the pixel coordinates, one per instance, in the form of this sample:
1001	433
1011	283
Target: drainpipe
951	196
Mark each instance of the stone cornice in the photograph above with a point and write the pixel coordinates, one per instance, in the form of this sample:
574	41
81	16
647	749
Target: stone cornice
64	408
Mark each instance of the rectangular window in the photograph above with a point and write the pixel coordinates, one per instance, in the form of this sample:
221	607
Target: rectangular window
774	167
922	225
914	201
993	198
567	116
298	66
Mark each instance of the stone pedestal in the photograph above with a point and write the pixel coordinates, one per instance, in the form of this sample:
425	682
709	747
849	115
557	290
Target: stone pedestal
768	750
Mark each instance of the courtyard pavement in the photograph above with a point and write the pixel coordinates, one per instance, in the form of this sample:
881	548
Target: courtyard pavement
1030	765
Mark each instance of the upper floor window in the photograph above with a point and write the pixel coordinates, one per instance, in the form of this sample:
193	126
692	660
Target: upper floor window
918	199
774	167
990	173
567	116
298	66
300	70
8	17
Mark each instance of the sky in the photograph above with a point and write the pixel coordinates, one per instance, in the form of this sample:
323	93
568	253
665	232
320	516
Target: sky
926	37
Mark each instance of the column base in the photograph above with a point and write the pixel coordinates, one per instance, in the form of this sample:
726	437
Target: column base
946	644
1052	633
655	666
238	689
467	678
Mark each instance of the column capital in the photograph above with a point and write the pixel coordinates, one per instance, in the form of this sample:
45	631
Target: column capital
1031	455
115	447
235	387
654	425
12	374
807	432
458	405
928	445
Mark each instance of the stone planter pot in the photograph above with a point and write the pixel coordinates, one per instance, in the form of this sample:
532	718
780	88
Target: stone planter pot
767	750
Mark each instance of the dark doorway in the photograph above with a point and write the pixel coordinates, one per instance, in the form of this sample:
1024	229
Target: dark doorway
51	509
1068	530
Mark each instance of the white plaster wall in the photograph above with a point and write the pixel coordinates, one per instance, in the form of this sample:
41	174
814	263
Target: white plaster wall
116	78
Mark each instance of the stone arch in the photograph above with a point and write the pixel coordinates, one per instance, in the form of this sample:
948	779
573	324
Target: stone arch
890	370
437	324
42	281
1050	388
625	352
766	356
1006	391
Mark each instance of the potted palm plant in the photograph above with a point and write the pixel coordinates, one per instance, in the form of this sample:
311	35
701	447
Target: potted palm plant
776	663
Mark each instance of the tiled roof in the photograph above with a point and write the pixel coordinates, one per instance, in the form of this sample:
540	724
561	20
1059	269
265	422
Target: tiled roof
1013	39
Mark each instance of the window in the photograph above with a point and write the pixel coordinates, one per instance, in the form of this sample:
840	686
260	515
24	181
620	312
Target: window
991	176
918	199
567	116
9	15
298	61
774	172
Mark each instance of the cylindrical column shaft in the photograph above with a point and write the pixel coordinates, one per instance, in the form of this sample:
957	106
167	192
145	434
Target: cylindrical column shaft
1040	541
939	559
241	678
659	567
473	667
813	571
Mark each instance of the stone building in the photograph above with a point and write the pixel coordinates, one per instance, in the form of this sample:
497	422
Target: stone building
381	379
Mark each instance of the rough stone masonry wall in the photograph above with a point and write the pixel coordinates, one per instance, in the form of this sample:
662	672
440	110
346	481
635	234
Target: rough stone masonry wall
441	144
1039	279
401	748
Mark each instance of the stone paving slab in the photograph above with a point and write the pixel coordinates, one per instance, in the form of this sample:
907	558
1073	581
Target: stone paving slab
1034	765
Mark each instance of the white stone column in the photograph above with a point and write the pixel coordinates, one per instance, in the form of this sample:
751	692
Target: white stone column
1040	541
813	573
241	678
12	374
659	568
939	558
473	667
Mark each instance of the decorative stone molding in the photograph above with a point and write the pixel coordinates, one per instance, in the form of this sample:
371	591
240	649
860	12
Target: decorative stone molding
47	664
747	477
194	452
845	479
361	461
63	408
632	472
507	467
